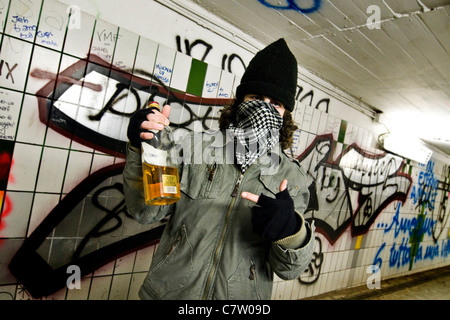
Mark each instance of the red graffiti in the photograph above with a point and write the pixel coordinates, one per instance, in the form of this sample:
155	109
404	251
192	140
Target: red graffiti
7	208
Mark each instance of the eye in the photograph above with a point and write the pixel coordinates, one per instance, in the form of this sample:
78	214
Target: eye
256	97
277	104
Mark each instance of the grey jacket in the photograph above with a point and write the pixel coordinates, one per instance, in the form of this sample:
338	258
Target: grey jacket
208	249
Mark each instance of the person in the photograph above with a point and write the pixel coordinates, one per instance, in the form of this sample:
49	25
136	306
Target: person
239	219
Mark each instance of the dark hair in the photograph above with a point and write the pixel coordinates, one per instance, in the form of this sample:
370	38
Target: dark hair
228	115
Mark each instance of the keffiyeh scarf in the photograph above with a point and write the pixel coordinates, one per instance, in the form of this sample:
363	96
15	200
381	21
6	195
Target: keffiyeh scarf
257	130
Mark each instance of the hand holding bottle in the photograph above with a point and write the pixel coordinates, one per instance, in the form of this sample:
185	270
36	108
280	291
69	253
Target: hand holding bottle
149	130
144	120
156	120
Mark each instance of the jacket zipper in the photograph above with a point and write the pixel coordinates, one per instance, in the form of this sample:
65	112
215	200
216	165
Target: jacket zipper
222	238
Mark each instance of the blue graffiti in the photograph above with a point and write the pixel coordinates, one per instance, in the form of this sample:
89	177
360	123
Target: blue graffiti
426	191
420	225
292	5
411	249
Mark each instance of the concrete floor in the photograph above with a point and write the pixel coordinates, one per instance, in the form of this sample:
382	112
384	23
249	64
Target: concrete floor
428	285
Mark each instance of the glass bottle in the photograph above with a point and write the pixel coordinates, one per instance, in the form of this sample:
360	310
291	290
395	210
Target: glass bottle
160	175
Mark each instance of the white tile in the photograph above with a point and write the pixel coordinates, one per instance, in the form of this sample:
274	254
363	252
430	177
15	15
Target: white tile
144	259
164	64
52	170
226	85
120	286
145	58
78	38
307	119
298	113
31	129
181	69
125	264
52	25
104	40
212	81
16	56
22	19
288	289
100	287
101	161
137	280
43	69
43	204
315	120
78	169
23	172
15	223
82	293
125	50
322	128
10	106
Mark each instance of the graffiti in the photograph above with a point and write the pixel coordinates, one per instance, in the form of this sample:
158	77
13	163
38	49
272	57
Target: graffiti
206	48
111	214
442	213
42	74
292	5
128	93
322	104
25	30
94	250
189	46
426	191
312	272
377	179
411	248
6	163
8	69
91	101
430	223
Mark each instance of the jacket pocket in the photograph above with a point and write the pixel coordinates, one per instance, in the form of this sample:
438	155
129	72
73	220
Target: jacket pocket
175	269
272	183
201	181
251	280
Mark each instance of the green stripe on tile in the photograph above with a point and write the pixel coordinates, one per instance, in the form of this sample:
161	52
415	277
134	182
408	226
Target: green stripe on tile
196	77
342	131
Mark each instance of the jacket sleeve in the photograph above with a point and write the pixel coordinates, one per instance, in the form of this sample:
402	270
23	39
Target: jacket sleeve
290	263
290	256
134	191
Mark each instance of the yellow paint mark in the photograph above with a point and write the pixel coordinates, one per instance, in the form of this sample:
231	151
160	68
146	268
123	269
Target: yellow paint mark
358	242
1	200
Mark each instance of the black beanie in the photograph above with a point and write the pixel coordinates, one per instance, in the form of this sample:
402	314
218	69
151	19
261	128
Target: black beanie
272	72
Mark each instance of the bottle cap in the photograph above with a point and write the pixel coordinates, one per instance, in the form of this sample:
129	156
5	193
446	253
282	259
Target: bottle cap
154	104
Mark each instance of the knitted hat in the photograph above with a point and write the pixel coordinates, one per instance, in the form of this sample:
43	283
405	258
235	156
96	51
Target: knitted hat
272	72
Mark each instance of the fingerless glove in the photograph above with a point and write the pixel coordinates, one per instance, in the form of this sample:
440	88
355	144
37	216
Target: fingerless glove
134	127
275	219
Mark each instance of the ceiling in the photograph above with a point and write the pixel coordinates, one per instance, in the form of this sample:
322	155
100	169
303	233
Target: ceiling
400	67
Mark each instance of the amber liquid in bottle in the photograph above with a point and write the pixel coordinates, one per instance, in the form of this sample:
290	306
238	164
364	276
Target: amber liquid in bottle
161	184
160	175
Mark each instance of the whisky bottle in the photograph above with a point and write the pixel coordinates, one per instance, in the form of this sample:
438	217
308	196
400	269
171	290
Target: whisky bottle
160	175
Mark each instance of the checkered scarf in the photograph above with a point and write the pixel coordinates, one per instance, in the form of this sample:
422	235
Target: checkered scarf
257	130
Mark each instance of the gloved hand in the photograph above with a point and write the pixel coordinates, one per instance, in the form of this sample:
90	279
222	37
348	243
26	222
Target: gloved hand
134	127
144	120
274	219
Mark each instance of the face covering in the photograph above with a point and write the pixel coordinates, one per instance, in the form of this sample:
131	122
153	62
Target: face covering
257	130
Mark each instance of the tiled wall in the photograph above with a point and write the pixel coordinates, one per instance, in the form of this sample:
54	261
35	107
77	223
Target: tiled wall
66	94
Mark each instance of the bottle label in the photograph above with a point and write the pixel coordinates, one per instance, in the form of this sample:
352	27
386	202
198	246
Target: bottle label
169	183
153	156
